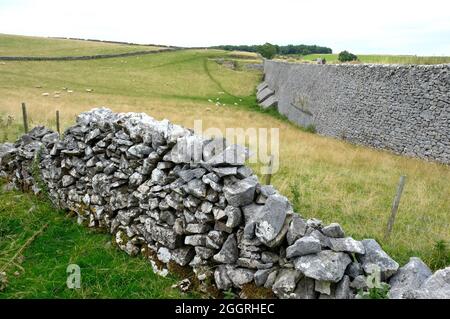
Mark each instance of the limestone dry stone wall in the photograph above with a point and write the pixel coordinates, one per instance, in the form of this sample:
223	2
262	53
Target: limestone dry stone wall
401	108
185	200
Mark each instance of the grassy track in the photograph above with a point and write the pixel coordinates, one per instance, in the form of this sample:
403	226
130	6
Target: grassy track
381	59
334	180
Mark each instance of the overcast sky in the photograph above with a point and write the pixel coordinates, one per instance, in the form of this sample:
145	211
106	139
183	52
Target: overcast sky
375	26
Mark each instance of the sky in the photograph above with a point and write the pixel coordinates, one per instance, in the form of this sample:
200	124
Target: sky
370	27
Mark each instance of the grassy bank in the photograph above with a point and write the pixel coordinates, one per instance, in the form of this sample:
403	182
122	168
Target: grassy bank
14	45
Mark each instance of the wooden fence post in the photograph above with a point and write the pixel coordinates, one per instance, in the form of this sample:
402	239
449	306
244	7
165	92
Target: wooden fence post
395	204
57	122
269	173
25	118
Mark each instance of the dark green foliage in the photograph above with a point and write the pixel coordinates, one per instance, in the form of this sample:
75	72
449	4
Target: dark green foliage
295	196
301	49
346	56
267	50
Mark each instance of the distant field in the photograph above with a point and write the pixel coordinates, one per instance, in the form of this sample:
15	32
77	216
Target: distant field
382	59
335	181
13	45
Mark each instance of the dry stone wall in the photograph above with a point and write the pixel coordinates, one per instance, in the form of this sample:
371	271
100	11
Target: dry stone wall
401	108
183	199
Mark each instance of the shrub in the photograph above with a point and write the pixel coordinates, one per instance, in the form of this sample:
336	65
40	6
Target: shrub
346	56
267	50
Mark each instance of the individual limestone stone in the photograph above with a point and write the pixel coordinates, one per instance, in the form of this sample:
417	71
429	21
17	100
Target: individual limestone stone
190	174
234	216
375	258
264	94
326	265
225	171
270	102
271	279
437	286
346	244
223	281
195	240
333	230
196	188
303	246
183	255
67	180
197	228
139	150
164	255
297	229
273	218
286	282
92	135
240	276
261	276
242	192
204	252
232	155
409	277
228	254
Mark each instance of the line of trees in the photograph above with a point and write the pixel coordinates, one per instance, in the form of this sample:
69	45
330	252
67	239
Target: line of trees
301	49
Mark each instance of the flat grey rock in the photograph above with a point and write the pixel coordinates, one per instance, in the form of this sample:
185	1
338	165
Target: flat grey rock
409	277
347	244
326	265
303	246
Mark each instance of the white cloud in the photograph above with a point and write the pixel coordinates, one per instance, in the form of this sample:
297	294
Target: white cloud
407	27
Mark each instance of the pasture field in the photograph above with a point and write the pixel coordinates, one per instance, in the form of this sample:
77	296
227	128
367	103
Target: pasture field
325	178
377	59
14	45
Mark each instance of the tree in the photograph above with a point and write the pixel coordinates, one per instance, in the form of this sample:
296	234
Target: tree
267	50
346	56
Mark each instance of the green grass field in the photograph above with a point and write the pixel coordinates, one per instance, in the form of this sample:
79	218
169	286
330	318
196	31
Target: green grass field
13	45
379	59
40	272
325	178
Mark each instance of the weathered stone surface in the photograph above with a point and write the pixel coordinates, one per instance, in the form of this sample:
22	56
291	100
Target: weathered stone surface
409	277
264	94
234	216
347	244
261	276
271	101
326	265
286	282
272	220
232	155
297	229
333	230
240	276
303	246
241	192
375	256
183	255
229	252
347	112
223	281
437	286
